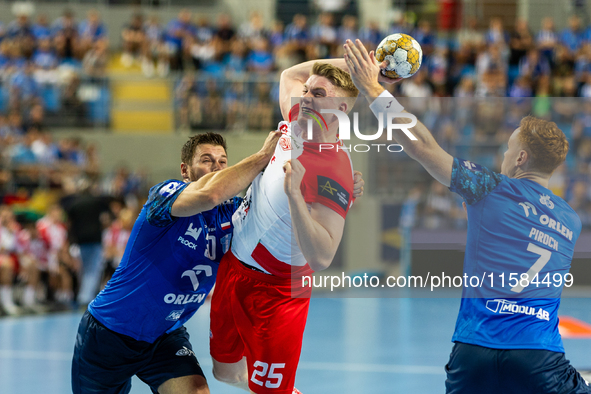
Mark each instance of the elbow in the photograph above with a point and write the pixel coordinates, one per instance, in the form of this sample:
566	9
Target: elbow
319	264
213	199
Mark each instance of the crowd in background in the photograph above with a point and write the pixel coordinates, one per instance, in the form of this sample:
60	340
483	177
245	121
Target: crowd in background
226	78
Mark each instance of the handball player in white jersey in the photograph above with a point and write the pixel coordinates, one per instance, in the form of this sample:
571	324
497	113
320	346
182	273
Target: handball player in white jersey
289	225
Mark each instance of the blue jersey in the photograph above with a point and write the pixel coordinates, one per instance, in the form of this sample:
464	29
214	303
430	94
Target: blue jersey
168	268
515	226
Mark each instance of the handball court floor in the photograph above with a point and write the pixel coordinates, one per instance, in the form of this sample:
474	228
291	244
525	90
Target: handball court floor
351	345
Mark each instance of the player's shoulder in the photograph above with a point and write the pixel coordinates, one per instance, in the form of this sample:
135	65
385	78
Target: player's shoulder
167	187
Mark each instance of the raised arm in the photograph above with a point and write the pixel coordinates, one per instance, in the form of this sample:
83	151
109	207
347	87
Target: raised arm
292	81
216	187
365	72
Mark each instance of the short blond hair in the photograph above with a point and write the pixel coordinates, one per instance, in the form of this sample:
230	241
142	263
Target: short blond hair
338	77
546	143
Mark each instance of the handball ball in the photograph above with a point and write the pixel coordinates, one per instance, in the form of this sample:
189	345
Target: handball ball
402	52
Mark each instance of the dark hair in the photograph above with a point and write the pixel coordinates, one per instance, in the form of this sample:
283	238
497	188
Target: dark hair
190	146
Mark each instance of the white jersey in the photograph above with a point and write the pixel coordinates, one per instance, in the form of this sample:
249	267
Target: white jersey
263	236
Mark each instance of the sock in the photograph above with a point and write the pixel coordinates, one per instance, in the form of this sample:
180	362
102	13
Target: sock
6	295
29	296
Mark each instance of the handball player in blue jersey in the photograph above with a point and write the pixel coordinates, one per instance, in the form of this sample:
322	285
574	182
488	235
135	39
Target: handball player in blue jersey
135	325
506	337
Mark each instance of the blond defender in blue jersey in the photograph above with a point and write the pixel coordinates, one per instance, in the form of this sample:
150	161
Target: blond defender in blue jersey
506	337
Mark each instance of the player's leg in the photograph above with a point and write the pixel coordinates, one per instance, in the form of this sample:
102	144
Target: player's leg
234	374
225	343
193	384
472	369
271	324
103	361
528	371
173	366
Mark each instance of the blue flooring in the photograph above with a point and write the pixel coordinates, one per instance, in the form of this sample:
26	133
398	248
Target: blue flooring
376	345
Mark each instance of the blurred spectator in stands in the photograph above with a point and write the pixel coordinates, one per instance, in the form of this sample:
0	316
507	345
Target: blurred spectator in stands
438	207
563	69
586	87
213	107
41	29
115	239
45	150
8	264
203	53
71	103
134	40
235	61
14	128
583	63
260	112
348	31
496	34
59	264
204	32
470	38
533	65
260	60
21	153
276	37
35	118
224	33
465	88
521	87
520	43
154	49
437	65
235	101
183	91
253	28
20	32
546	39
46	63
29	267
95	61
24	89
65	32
425	37
178	31
580	201
90	30
71	152
370	34
491	60
297	36
324	35
572	37
85	229
417	86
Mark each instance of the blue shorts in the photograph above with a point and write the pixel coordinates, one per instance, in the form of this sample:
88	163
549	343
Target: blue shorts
105	361
474	369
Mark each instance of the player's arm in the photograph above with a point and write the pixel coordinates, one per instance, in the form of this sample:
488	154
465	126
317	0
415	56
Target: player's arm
318	231
365	71
292	81
217	187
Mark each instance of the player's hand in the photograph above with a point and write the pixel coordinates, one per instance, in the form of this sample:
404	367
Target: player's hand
364	68
294	173
270	143
358	184
382	77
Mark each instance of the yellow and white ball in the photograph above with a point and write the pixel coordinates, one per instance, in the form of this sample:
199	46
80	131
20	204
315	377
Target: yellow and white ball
403	53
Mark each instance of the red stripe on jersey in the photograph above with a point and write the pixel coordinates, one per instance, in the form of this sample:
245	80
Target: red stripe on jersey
277	267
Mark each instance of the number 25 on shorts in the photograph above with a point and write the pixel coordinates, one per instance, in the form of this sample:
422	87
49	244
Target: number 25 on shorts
272	380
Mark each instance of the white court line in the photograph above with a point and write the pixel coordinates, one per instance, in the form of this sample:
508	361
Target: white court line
310	365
